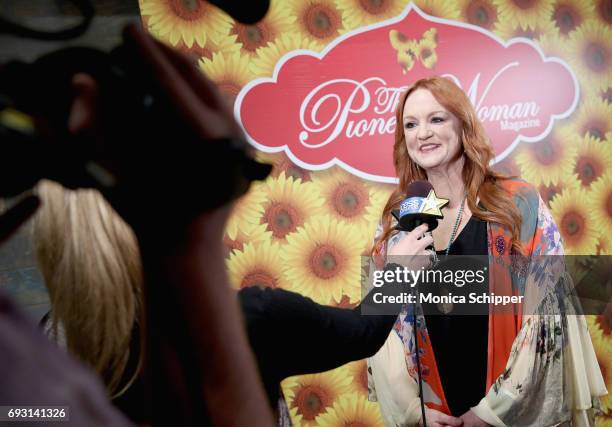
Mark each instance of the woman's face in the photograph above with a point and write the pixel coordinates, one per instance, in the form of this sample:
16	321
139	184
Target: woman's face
431	131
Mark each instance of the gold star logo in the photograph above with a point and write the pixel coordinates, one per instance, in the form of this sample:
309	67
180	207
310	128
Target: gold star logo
432	204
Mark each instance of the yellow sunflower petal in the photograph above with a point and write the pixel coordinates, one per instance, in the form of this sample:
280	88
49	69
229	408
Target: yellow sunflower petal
600	203
593	117
267	57
439	8
508	29
357	13
229	71
526	13
352	410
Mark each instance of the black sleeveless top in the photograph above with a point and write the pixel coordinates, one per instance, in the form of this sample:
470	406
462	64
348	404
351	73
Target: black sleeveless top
460	341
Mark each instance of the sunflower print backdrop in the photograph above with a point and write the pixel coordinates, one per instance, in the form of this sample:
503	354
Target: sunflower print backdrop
303	230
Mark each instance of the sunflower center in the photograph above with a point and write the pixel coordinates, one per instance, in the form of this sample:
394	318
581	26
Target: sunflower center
597	128
321	21
481	13
188	10
595	57
524	4
566	18
349	200
362	377
282	219
374	7
588	169
311	400
326	261
252	37
545	153
572	224
425	53
259	278
604	9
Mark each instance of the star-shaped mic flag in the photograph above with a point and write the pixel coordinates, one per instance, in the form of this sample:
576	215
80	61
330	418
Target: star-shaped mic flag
432	204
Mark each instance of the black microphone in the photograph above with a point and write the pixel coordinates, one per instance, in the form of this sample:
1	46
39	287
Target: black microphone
421	206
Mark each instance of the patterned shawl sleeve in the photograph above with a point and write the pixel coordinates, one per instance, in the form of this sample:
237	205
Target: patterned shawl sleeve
552	376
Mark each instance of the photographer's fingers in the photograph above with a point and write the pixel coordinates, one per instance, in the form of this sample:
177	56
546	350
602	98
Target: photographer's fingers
204	120
12	219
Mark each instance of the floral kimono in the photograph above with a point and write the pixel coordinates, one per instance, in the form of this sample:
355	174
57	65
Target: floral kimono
541	366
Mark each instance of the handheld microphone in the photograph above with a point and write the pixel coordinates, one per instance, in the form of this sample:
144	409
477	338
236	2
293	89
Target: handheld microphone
420	206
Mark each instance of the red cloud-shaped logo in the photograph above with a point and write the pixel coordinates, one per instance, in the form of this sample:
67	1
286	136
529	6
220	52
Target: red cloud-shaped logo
337	106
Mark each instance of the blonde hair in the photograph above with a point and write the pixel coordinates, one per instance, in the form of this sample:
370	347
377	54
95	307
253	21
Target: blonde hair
479	179
90	262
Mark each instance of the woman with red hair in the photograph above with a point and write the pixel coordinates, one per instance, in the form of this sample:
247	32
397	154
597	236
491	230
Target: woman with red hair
533	367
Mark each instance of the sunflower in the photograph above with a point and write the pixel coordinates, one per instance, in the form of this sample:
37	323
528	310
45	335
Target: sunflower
590	49
256	265
349	199
320	20
357	13
601	202
247	210
267	57
351	410
592	160
230	72
246	233
359	373
311	395
187	20
594	117
510	29
603	351
603	11
323	260
441	8
255	36
567	15
478	12
545	162
220	44
288	203
526	13
571	212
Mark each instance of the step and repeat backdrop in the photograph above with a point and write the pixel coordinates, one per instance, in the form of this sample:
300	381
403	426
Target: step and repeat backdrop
315	85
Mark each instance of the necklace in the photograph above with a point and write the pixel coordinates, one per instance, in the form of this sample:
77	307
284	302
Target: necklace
456	226
448	307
